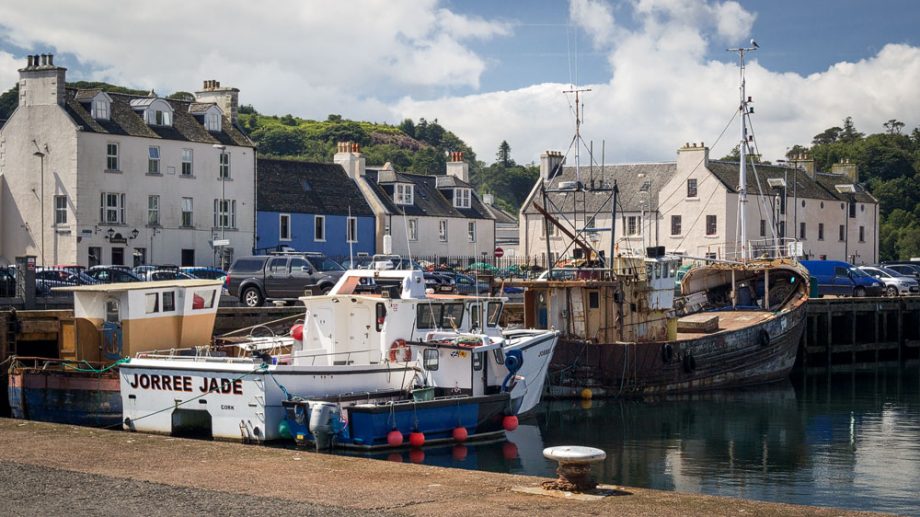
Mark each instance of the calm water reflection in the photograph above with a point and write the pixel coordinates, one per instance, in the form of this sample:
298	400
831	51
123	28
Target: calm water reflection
852	440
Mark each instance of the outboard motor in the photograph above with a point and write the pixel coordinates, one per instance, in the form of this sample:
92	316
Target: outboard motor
325	423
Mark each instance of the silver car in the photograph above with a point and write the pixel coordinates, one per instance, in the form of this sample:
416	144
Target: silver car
895	283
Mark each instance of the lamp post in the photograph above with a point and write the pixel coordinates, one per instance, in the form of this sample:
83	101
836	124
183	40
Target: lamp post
221	207
41	158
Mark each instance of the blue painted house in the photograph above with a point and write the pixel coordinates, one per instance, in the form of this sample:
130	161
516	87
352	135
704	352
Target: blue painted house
311	207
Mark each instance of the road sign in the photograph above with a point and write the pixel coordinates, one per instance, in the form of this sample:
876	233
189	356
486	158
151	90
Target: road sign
499	252
220	242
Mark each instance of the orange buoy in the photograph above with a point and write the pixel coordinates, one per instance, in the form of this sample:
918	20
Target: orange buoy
416	439
297	332
510	422
394	438
460	434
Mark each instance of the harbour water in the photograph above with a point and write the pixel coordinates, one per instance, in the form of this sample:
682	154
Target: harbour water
848	440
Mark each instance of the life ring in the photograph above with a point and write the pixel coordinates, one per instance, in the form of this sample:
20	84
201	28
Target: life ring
667	353
764	338
395	348
689	362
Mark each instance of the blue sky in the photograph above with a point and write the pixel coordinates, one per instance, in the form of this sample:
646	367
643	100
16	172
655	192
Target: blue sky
494	70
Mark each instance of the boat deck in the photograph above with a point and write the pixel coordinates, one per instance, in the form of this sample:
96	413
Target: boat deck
729	321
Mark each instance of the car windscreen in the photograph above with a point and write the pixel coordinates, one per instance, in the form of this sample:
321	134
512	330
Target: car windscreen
858	272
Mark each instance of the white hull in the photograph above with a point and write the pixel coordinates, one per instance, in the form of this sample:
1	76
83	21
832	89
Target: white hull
233	399
538	347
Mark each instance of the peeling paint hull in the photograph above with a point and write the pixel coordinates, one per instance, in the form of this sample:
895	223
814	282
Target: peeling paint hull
725	359
65	397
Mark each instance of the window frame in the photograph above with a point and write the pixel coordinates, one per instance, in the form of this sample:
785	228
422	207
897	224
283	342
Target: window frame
715	225
100	109
319	223
443	230
351	229
412	229
284	227
189	211
153	210
463	198
693	189
678	226
820	231
153	162
404	194
225	213
190	161
471	230
60	212
212	121
223	166
117	209
112	158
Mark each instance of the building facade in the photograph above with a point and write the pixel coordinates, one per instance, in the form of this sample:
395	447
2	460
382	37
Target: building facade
312	207
425	216
92	177
691	206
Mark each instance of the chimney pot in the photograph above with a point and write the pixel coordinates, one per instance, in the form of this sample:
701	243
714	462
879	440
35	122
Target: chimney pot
51	59
29	61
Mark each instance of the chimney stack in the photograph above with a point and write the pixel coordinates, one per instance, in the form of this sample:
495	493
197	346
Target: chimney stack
227	99
847	169
551	163
348	155
692	156
457	167
40	82
488	199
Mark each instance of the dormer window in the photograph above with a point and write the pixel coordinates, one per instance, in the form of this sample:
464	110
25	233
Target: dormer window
404	194
156	112
462	197
101	106
212	120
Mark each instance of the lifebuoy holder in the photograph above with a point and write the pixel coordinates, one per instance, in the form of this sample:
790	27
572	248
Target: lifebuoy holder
404	356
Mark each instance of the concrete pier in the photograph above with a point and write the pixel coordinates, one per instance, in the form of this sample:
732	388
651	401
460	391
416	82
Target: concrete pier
76	470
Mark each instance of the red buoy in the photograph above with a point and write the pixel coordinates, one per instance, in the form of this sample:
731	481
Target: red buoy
458	452
394	438
297	332
509	450
416	439
460	434
510	422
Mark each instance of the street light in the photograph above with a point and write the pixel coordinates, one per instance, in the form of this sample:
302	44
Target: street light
41	157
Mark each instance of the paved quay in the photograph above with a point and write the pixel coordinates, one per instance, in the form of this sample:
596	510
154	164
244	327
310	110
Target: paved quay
50	469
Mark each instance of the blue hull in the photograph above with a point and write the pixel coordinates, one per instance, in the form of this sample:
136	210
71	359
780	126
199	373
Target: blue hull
92	400
369	425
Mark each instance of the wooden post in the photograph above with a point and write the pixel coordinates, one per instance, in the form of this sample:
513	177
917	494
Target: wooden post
830	334
853	336
876	337
900	334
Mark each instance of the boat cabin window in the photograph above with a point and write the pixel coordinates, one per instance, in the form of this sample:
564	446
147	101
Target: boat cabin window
111	311
381	315
477	361
169	301
153	303
475	316
594	300
203	299
495	313
499	355
430	358
437	315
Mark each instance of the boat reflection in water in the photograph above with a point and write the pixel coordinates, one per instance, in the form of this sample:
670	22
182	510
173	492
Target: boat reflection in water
852	441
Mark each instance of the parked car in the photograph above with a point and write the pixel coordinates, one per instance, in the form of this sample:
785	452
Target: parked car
159	275
278	277
109	275
895	283
439	283
7	283
905	269
47	279
206	273
466	284
835	277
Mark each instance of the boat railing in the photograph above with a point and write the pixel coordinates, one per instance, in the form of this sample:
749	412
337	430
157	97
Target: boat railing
347	355
784	247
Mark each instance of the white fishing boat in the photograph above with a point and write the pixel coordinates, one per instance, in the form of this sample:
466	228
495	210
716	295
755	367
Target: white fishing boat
376	331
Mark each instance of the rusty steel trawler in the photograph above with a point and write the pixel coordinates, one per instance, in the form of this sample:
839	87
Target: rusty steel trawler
735	321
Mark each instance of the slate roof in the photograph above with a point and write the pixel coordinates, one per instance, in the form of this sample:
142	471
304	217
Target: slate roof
128	122
450	181
627	177
308	188
822	187
501	216
429	200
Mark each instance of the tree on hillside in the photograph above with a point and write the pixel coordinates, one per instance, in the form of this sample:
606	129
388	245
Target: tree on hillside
280	141
8	102
345	131
182	96
504	154
827	136
407	127
894	126
849	133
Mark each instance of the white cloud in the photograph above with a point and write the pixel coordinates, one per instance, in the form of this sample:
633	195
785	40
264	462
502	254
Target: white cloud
664	92
316	57
8	70
351	53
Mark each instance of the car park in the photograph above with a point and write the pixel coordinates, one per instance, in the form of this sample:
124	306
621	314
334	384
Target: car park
905	269
895	283
204	272
835	277
285	276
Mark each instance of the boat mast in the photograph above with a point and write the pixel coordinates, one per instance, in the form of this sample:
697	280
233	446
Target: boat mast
742	151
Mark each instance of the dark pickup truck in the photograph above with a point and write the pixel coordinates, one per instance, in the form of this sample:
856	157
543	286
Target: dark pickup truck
281	277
